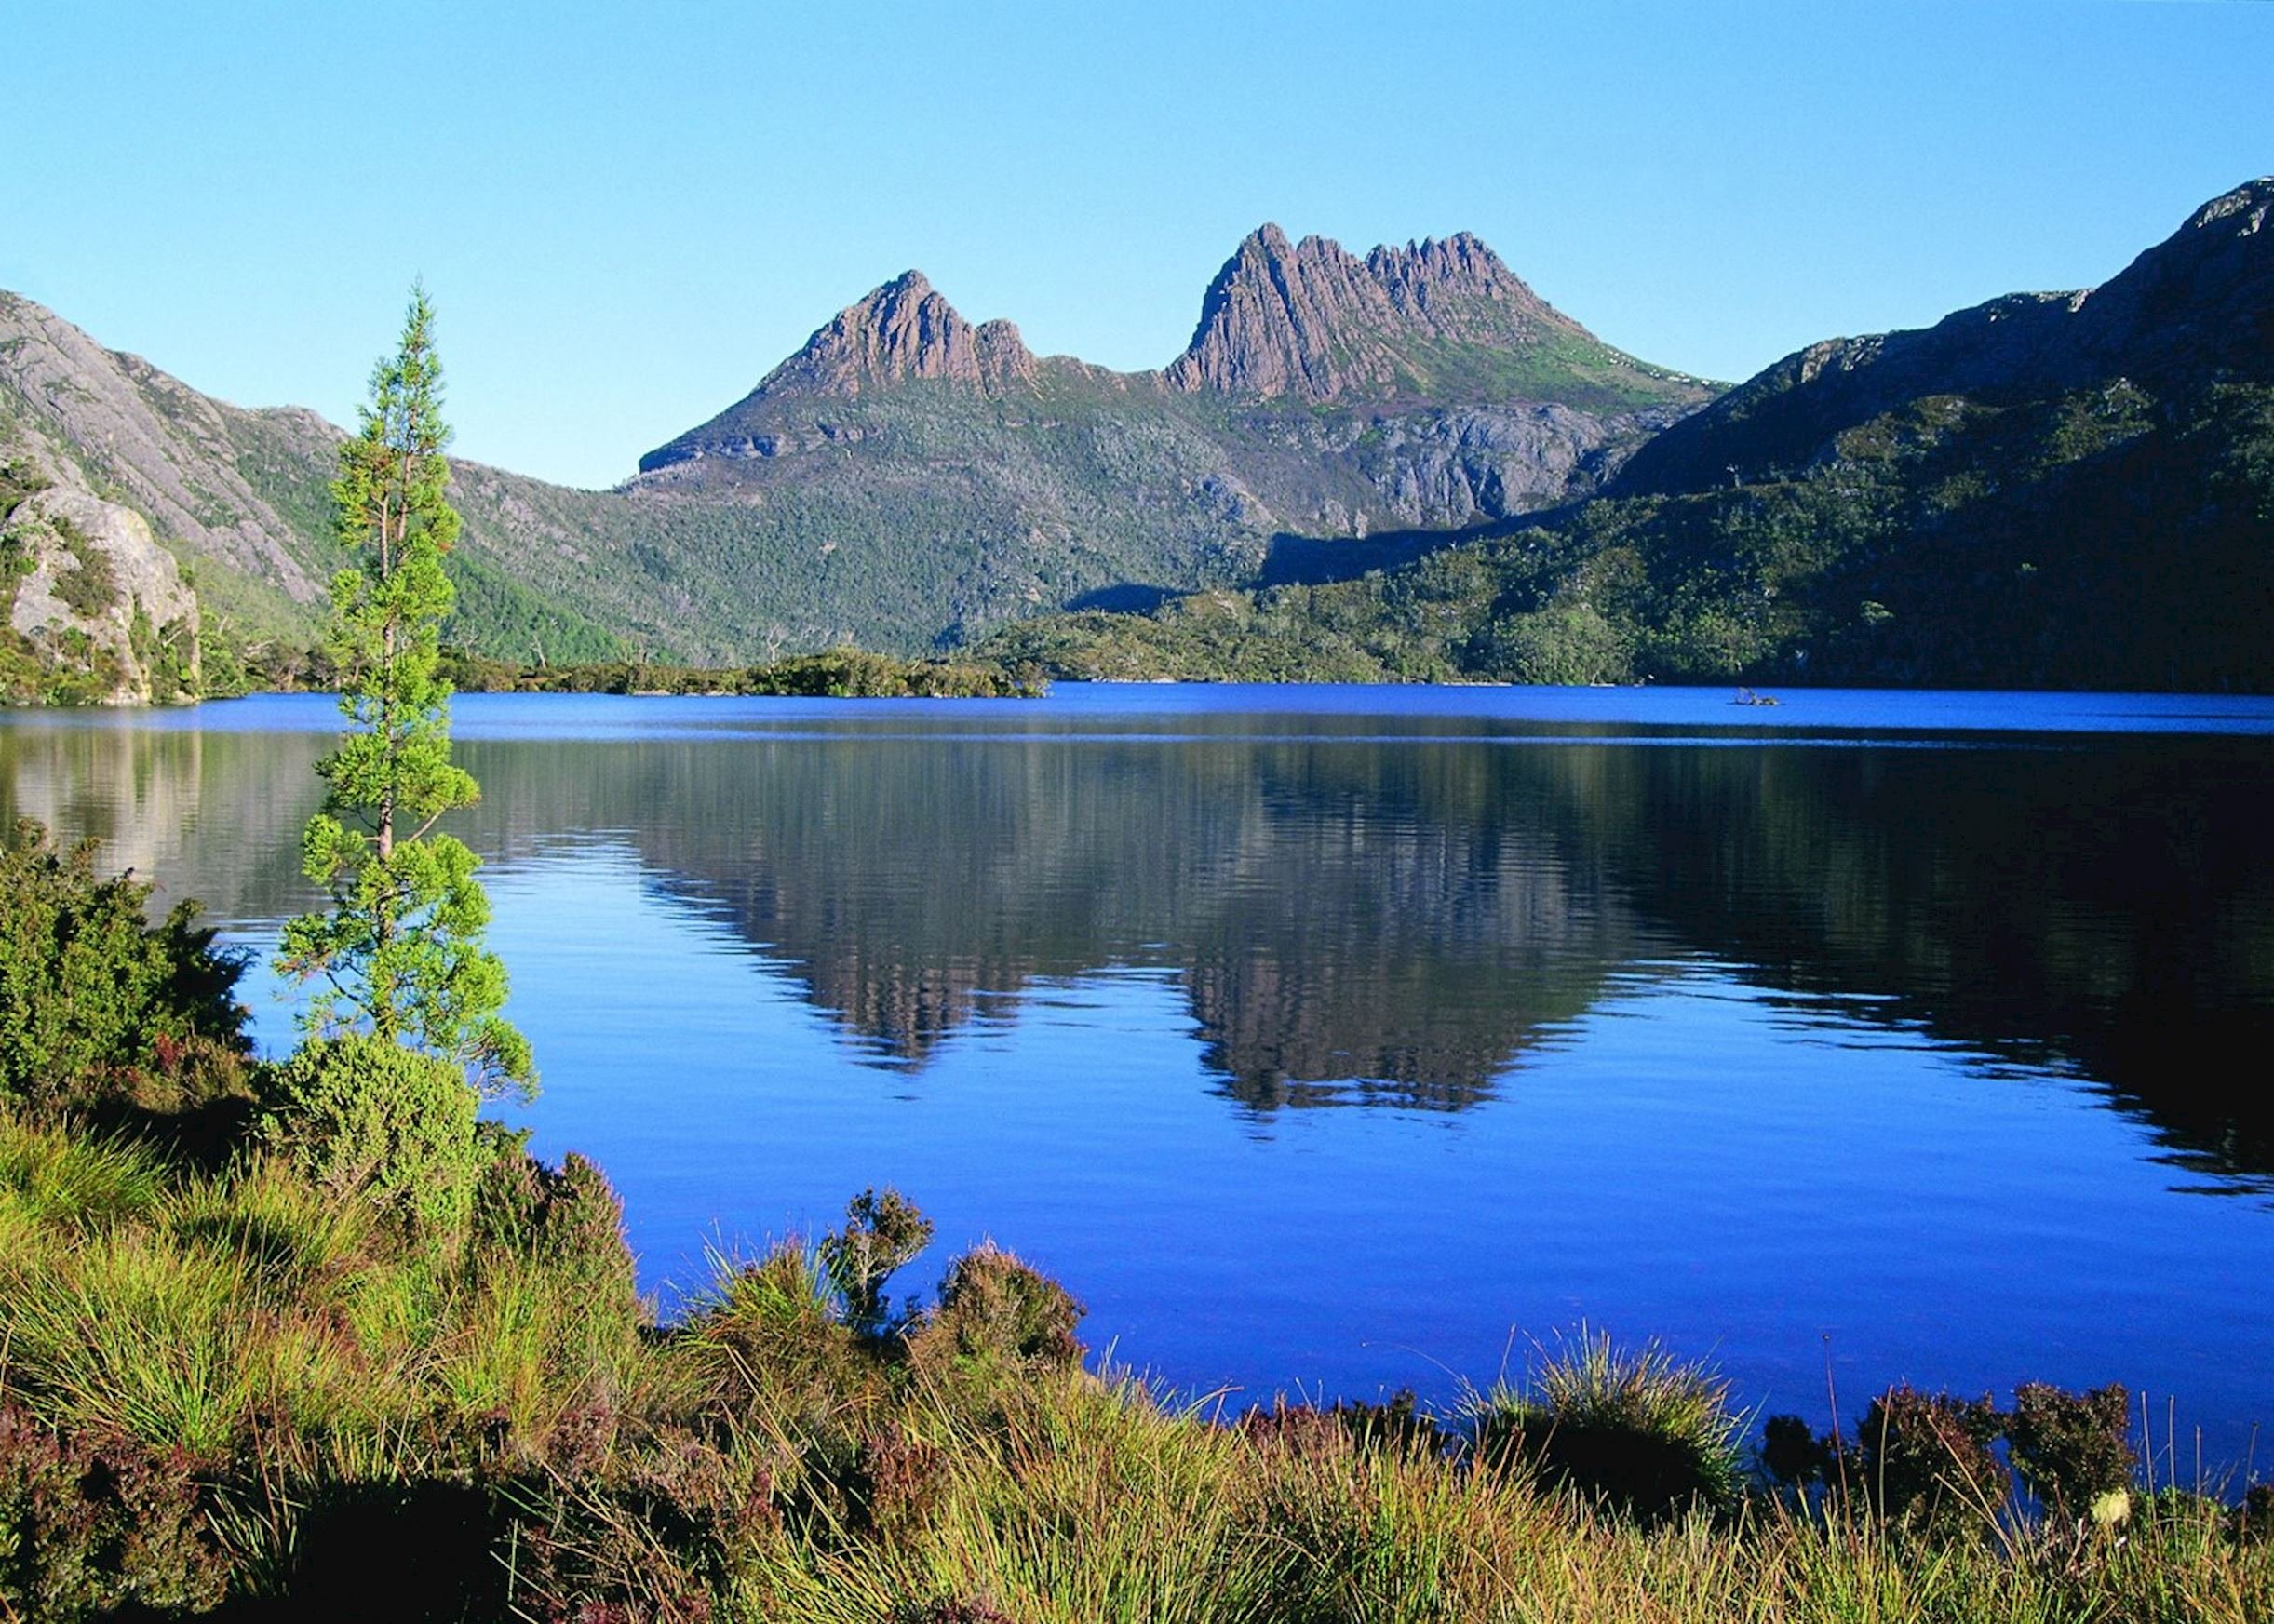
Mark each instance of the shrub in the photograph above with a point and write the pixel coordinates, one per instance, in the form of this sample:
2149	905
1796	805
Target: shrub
2254	1519
89	1528
1926	1459
1792	1455
1642	1431
999	1310
998	1314
2072	1450
360	1115
90	585
100	1009
568	1219
881	1233
1398	1425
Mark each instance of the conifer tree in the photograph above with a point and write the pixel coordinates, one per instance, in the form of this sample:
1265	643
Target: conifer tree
399	952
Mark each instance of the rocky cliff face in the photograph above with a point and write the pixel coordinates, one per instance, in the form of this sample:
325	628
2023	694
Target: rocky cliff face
99	611
1434	388
1307	322
244	494
166	450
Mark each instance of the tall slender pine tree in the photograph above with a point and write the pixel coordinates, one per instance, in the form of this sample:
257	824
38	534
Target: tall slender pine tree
399	953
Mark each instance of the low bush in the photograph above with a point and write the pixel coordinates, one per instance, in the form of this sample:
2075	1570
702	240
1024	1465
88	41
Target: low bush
1926	1460
2073	1450
362	1116
95	1527
1640	1432
100	1010
882	1234
1000	1316
1397	1424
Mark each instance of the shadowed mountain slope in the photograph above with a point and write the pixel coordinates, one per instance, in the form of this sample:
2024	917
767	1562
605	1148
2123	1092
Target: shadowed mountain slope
2070	489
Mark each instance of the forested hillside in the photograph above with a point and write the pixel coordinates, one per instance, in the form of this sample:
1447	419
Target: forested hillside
2067	491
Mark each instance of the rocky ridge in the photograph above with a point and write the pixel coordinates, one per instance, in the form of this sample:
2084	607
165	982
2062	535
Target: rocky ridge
910	479
1309	321
166	450
2199	304
902	330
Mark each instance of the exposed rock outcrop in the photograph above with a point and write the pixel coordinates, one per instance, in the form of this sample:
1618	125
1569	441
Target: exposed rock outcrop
168	450
98	603
1309	321
902	330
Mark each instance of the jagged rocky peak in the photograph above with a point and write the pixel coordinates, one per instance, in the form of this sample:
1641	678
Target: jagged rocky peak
1311	321
903	329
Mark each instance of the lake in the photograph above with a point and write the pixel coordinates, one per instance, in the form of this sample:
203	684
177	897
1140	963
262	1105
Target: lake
1329	1041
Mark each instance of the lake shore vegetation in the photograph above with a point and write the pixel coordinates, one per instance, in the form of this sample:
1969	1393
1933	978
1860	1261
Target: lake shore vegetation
260	1367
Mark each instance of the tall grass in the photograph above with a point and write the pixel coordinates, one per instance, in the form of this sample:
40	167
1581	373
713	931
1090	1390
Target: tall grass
494	1419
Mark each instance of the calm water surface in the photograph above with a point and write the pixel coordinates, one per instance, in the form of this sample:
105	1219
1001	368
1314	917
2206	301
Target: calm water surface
1342	1038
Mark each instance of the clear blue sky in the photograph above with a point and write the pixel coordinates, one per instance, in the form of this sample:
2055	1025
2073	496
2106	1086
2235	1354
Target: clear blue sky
627	214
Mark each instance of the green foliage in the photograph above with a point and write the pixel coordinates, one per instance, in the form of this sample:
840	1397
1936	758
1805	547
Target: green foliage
883	1234
90	587
1925	1459
2072	1449
400	951
1638	1429
238	1392
66	1180
220	660
98	1007
998	1315
19	479
2098	538
361	1116
838	674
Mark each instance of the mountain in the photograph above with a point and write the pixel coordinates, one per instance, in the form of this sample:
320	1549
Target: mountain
2196	308
2070	490
1432	322
909	479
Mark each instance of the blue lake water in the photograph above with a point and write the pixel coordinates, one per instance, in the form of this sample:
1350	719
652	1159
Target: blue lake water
1337	1039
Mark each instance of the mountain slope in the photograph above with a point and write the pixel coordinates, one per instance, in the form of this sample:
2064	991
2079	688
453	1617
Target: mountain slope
910	479
2198	306
2049	489
1321	396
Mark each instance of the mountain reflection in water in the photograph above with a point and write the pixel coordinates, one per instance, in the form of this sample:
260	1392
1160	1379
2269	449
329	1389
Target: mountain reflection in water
1340	1045
1358	916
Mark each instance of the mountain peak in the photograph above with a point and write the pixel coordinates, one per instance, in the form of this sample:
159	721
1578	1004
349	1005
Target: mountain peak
900	330
1310	321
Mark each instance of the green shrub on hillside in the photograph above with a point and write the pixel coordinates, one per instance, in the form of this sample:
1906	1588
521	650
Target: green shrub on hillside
90	587
98	1007
362	1116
